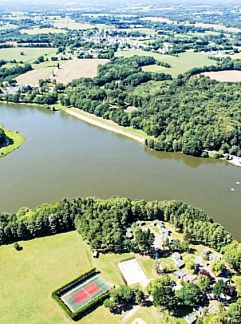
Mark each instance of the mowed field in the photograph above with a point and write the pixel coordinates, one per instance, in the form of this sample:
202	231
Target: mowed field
69	71
29	54
180	64
70	24
33	76
28	278
224	76
78	68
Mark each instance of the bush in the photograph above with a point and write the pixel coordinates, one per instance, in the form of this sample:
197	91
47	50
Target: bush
17	247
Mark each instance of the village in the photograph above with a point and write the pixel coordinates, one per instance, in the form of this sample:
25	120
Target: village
183	267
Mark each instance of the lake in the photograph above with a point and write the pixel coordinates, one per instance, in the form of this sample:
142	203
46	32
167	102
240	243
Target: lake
64	157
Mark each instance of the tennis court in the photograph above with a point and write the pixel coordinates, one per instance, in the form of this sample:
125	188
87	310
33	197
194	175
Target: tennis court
85	292
133	273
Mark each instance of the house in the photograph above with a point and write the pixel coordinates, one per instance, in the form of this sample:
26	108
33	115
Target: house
200	310
179	274
189	278
95	254
224	279
205	252
177	258
215	257
190	319
164	231
178	287
159	223
140	223
129	233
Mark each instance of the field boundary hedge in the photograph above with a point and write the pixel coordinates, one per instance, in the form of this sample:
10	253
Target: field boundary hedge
85	309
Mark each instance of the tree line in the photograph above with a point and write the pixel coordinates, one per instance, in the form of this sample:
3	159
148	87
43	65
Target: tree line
104	223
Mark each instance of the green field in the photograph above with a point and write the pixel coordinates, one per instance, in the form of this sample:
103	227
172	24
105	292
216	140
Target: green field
18	140
42	266
29	54
182	63
8	26
36	31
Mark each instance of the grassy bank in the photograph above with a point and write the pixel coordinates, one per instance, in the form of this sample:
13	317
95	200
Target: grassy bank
17	138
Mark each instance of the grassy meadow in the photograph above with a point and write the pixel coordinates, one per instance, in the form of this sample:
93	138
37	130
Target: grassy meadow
69	71
36	31
78	68
29	54
70	24
180	64
45	264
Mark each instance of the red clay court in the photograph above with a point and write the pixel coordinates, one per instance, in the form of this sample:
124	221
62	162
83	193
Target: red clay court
85	292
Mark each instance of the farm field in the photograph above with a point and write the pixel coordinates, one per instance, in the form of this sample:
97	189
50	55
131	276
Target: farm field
7	26
180	64
33	76
70	24
159	19
218	27
224	76
29	54
36	31
78	68
148	31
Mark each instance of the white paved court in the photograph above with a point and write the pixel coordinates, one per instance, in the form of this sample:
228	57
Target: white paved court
133	273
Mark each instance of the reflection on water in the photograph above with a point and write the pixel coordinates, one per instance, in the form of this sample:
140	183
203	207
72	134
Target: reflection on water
193	162
64	157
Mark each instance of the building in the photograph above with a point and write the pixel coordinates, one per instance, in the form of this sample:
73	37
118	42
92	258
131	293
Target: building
177	258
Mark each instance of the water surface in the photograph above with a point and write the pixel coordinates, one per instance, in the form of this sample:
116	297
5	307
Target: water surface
64	157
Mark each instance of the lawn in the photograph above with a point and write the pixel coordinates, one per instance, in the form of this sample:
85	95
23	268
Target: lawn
29	54
18	140
182	63
152	315
44	265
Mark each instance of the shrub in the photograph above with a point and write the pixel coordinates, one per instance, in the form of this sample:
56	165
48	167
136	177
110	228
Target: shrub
17	247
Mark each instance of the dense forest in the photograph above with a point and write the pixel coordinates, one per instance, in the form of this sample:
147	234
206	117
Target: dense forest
188	114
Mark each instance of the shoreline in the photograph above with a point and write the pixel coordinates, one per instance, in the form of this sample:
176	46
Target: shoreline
113	127
104	124
18	140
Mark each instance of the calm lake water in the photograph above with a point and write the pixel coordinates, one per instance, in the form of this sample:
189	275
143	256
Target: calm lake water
64	157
